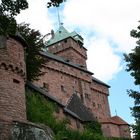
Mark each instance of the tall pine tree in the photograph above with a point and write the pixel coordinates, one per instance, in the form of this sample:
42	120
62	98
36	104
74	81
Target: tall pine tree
133	66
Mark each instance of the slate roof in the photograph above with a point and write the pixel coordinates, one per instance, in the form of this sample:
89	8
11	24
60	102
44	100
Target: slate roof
100	82
76	106
62	34
60	59
43	92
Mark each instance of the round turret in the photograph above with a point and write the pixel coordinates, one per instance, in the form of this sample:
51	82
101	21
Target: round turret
12	79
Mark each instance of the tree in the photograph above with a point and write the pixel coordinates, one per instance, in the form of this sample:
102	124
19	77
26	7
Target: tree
8	10
133	66
8	25
55	3
12	8
34	61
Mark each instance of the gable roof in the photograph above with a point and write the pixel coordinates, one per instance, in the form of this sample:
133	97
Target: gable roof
76	106
118	120
62	34
114	120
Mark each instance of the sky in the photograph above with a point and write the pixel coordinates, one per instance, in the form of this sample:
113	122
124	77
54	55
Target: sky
105	27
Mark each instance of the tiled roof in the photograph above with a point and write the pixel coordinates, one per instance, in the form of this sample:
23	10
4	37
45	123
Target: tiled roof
76	106
118	120
62	34
60	59
115	120
100	82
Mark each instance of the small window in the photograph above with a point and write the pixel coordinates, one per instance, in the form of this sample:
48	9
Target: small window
16	81
87	96
63	89
46	86
65	40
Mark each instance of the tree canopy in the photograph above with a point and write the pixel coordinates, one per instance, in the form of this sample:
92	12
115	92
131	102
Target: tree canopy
55	3
34	61
8	25
133	66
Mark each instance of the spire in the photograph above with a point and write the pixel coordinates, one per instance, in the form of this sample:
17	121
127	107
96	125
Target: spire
58	16
116	112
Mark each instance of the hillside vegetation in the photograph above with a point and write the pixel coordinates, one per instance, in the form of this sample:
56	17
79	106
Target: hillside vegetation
40	110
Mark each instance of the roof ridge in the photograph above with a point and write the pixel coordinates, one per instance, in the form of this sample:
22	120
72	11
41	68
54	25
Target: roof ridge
69	100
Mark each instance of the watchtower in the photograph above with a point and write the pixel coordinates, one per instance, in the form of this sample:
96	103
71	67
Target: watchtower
12	78
68	45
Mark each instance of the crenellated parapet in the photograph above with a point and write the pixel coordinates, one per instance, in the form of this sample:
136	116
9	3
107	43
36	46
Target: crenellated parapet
12	78
13	68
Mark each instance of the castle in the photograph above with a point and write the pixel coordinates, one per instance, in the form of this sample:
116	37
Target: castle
67	81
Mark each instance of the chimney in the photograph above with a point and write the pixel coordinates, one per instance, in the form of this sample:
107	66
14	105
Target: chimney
52	34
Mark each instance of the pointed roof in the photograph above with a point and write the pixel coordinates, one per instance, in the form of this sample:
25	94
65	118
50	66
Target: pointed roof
119	120
76	106
115	120
62	34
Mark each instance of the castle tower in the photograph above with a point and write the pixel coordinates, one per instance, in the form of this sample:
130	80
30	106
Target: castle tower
68	45
12	79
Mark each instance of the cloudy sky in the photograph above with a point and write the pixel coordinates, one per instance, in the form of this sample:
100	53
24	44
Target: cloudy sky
105	27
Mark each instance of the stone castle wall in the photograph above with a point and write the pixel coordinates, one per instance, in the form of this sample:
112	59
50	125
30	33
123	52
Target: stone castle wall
60	79
71	50
12	80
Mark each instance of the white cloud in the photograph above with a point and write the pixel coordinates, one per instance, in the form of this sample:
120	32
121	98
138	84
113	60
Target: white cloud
111	20
37	16
102	60
99	22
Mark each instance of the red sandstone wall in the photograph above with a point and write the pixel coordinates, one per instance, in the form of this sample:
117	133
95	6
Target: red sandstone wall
60	76
100	101
12	75
72	123
125	131
70	49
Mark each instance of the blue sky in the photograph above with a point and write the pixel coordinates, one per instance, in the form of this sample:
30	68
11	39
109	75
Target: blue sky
105	27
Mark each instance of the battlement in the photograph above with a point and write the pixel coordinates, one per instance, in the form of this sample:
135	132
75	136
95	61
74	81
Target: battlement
12	79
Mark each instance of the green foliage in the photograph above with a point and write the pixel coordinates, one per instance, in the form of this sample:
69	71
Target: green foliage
13	7
94	127
7	25
9	9
133	58
40	110
34	61
133	66
55	3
